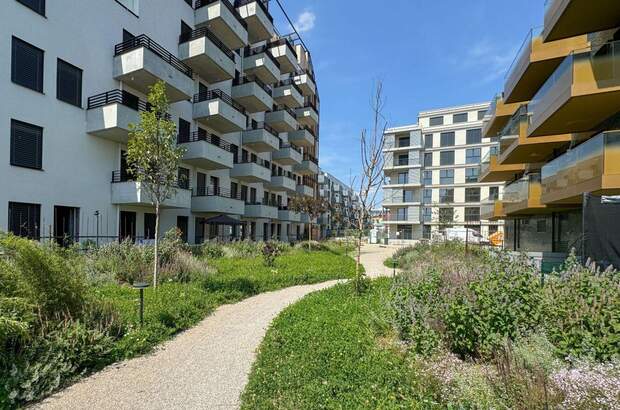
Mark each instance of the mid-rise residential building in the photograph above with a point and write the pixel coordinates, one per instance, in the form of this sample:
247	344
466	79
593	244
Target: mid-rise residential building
75	75
344	204
557	121
431	175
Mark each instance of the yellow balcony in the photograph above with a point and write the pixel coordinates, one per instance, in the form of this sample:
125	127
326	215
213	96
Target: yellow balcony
593	166
534	62
522	197
498	114
492	171
569	18
492	211
582	93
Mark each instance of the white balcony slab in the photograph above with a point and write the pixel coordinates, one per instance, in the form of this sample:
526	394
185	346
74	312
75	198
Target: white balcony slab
259	211
207	59
217	205
223	22
207	156
287	156
289	96
283	184
261	66
301	138
131	193
260	25
219	115
260	140
252	97
281	121
307	116
111	122
251	172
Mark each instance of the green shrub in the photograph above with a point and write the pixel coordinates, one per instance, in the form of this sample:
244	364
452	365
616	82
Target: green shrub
211	250
270	252
123	261
243	249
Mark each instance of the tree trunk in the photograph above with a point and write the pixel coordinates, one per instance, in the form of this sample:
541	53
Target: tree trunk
310	235
156	259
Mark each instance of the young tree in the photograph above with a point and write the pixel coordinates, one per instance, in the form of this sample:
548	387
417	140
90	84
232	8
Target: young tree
154	157
312	206
371	176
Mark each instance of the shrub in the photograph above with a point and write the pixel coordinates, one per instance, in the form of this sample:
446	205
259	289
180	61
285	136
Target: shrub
184	267
124	261
243	249
270	252
311	246
211	250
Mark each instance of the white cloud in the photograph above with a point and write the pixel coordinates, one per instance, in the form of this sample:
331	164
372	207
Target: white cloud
490	60
305	21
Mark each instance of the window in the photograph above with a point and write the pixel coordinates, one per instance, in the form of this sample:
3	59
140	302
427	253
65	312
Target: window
26	145
25	219
493	193
183	178
541	226
182	225
472	156
149	226
472	214
481	114
472	194
426	231
459	118
446	195
404	142
403	178
36	5
434	121
428	196
428	141
405	231
244	193
447	139
446	158
69	83
471	175
27	65
428	178
494	150
446	176
402	159
184	130
132	5
427	214
408	196
428	159
401	214
474	136
446	215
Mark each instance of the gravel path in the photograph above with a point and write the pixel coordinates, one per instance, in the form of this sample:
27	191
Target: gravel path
206	367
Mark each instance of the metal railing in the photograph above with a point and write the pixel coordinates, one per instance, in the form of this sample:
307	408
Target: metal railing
285	108
308	157
144	41
252	51
255	125
282	42
308	129
258	161
263	202
290	145
221	95
120	176
203	191
202	3
253	79
260	3
118	97
288	82
205	32
205	136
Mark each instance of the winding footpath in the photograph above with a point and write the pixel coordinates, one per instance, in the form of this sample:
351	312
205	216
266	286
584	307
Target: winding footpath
206	367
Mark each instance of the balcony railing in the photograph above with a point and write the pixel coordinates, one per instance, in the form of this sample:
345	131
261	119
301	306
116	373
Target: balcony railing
258	161
205	136
118	97
218	94
264	202
202	3
252	51
203	191
205	32
285	108
308	157
282	42
288	82
144	41
290	145
261	4
120	176
252	79
524	50
285	174
305	72
519	190
255	125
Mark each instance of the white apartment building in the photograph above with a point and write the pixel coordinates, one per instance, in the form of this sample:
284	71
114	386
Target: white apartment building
343	199
75	74
431	174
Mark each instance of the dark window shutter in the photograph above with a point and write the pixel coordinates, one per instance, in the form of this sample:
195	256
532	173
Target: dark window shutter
36	5
69	83
184	129
26	145
27	65
25	219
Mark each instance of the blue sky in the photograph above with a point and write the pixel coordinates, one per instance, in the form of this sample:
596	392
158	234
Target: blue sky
429	54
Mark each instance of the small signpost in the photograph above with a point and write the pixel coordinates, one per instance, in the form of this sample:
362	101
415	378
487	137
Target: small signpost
141	286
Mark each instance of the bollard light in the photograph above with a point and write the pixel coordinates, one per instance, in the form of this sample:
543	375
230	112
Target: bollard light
141	286
394	266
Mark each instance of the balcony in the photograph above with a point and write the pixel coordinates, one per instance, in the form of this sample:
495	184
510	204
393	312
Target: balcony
569	18
261	210
261	137
492	171
593	166
207	151
109	114
252	170
207	55
282	50
259	62
140	63
218	111
411	180
582	93
305	219
522	197
254	95
285	214
306	83
126	191
258	19
288	94
217	201
309	166
305	190
288	154
497	116
492	211
283	183
302	137
282	119
530	150
411	216
535	62
223	20
308	115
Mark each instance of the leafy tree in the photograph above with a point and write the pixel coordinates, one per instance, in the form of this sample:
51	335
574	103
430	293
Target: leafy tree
154	157
312	206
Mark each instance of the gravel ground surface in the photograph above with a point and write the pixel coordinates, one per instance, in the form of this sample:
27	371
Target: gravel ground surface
206	367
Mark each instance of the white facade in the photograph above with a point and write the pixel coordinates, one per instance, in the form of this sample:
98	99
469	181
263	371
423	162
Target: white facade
82	147
338	195
431	174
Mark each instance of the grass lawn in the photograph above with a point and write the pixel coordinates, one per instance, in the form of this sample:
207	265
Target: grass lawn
322	353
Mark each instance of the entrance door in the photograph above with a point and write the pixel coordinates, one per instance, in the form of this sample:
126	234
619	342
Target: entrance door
149	226
66	224
265	232
127	228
